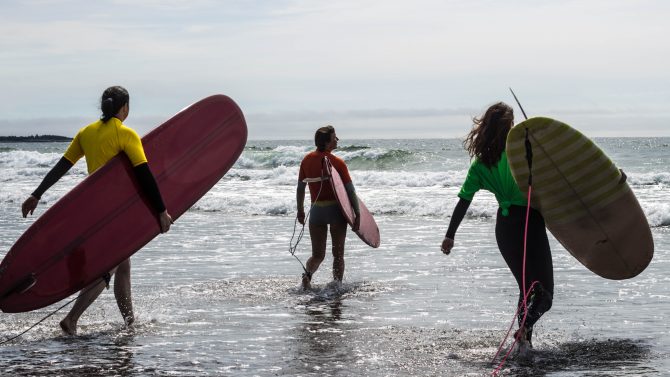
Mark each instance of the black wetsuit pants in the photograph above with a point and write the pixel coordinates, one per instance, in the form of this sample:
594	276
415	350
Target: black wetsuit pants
539	267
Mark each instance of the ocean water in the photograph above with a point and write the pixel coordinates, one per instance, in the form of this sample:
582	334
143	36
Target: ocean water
219	294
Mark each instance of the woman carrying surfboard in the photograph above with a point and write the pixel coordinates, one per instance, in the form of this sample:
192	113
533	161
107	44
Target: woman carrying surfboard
99	142
325	210
490	171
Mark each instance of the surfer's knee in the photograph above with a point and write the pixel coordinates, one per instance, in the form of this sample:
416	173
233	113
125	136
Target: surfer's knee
317	258
123	267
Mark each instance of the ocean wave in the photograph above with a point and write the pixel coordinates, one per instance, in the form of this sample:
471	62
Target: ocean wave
371	174
257	148
263	180
286	207
648	179
18	159
284	175
432	206
258	198
658	214
241	196
378	158
243	202
281	175
408	178
356	157
349	148
264	158
436	209
262	198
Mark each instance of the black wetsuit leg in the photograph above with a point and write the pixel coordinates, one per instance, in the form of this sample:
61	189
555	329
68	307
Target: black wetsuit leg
539	267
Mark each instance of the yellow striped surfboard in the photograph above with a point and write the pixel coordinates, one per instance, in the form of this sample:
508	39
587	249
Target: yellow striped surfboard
585	201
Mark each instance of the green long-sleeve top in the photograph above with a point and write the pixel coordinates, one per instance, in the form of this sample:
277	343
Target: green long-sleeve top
497	179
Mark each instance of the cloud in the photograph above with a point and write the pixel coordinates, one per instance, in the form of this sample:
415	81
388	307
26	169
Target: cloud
303	60
360	114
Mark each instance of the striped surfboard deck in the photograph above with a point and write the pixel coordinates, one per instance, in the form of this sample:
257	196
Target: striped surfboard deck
584	198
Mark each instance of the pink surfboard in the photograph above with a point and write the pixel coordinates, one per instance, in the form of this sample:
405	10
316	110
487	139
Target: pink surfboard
368	230
106	218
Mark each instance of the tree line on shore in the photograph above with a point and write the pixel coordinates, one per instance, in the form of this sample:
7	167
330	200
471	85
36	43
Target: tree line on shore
33	138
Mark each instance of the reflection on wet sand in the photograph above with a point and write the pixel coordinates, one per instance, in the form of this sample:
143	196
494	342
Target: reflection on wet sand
616	357
321	340
101	354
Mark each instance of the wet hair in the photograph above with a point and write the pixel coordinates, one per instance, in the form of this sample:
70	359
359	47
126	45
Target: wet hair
112	100
486	141
322	137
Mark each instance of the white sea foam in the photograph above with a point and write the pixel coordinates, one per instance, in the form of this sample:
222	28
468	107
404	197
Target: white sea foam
658	214
357	157
18	159
650	178
263	182
288	175
32	163
408	178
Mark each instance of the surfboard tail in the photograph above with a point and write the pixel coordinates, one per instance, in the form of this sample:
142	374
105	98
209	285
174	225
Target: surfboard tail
22	286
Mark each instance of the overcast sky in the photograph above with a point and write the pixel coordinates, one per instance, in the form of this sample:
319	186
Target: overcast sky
387	68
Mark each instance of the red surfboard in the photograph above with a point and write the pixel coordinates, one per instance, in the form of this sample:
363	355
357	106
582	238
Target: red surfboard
368	231
106	218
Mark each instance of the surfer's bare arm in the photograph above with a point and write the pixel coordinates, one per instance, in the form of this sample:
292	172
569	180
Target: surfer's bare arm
150	187
300	199
351	193
353	198
59	170
456	218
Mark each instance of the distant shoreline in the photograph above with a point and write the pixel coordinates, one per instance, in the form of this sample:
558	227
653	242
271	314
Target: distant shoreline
34	139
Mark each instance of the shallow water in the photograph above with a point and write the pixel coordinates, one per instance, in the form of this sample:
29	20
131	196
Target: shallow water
219	295
226	301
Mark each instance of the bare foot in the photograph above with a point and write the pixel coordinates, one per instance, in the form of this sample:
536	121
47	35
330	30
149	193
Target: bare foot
335	284
68	328
306	282
129	321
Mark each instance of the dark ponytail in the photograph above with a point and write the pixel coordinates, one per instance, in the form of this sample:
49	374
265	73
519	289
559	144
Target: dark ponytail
322	137
112	100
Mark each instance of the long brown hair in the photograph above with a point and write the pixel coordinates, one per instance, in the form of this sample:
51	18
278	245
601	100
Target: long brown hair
486	140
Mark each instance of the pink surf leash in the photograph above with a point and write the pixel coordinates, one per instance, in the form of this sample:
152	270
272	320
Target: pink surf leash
525	296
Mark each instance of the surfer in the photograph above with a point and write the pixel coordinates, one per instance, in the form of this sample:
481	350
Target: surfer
325	210
99	142
490	171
